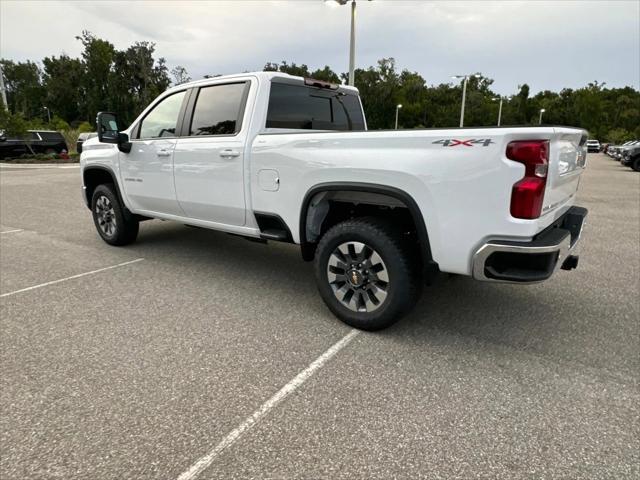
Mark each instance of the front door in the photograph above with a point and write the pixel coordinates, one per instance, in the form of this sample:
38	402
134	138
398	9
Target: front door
209	157
147	171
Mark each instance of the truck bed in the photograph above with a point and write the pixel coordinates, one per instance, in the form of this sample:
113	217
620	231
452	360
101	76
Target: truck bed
461	178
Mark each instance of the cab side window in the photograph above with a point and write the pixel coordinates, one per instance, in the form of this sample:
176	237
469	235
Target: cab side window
162	120
218	110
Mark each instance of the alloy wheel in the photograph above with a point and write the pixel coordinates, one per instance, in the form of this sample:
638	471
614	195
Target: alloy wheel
358	277
106	216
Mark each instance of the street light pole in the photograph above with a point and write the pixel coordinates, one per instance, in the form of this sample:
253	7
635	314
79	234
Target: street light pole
48	114
542	110
3	92
398	107
352	44
464	93
464	99
499	109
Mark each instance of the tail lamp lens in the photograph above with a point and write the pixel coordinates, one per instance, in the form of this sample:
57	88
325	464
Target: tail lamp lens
527	194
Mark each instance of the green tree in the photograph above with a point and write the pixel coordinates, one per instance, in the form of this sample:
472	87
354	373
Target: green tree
284	67
126	81
618	135
12	125
97	58
63	82
180	75
326	74
379	89
136	79
85	127
23	83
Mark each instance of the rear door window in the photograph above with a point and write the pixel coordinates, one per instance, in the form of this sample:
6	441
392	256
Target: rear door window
219	110
308	108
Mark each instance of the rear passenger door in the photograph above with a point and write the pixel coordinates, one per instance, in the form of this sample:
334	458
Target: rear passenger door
209	156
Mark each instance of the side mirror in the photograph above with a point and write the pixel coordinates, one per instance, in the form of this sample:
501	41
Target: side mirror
3	139
109	131
107	123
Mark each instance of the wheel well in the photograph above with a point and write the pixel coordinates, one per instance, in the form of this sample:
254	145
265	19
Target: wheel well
325	206
93	177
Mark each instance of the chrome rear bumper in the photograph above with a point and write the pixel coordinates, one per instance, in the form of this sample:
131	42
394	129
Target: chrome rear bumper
534	261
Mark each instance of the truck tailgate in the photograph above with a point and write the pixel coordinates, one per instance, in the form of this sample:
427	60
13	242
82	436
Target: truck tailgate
567	157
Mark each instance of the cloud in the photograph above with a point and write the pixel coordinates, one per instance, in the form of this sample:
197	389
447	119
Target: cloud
549	45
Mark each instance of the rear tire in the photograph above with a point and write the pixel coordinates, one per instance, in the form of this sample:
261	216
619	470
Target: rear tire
636	164
367	274
114	223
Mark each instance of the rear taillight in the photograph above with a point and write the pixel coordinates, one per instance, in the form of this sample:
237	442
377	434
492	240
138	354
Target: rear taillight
528	193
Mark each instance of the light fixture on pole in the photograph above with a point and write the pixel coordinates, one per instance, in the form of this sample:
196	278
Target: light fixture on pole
352	43
499	108
398	107
542	110
48	114
464	92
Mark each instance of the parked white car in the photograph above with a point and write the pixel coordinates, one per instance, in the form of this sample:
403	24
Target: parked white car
593	146
275	157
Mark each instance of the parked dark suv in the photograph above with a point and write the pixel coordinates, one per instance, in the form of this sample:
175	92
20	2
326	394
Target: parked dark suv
40	141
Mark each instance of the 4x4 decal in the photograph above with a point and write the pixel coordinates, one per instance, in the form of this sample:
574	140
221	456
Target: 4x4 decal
452	142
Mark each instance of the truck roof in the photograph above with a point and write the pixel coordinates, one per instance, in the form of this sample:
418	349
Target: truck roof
267	76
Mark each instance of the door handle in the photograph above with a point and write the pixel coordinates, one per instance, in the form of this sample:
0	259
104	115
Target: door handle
228	153
163	152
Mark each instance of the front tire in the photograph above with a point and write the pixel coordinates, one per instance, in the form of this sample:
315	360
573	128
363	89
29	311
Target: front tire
367	273
114	224
636	164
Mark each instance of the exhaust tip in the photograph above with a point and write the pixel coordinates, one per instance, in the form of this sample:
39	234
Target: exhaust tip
570	262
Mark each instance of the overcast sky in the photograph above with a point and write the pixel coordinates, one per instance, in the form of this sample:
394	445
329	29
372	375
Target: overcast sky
549	45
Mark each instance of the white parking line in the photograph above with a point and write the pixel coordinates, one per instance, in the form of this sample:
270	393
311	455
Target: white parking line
71	277
202	464
13	231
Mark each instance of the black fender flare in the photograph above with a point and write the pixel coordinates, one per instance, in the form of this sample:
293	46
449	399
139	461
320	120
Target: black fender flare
114	179
401	195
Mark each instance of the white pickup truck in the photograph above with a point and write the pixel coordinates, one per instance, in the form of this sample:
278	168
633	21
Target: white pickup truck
276	157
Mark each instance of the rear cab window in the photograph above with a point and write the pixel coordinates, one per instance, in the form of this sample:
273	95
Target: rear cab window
302	107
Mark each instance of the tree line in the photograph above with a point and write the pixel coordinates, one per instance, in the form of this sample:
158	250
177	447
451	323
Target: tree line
126	81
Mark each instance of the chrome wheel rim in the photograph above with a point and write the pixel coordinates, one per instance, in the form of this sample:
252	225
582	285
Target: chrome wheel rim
358	277
105	215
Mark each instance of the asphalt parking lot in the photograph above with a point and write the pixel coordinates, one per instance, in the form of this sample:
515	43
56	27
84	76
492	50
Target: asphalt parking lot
178	352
